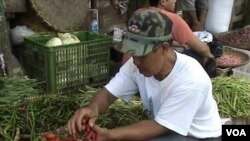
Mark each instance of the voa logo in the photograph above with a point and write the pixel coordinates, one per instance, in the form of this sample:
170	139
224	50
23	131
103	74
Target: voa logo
236	132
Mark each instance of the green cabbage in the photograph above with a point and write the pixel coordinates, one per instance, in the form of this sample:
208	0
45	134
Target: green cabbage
55	41
68	38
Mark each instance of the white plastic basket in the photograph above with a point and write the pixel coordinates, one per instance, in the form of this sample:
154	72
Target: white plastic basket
242	74
243	71
235	121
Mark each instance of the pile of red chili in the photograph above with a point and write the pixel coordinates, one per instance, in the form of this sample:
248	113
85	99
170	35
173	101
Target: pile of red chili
87	134
53	137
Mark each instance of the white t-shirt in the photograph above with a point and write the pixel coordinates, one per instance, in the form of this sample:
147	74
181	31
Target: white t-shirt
182	102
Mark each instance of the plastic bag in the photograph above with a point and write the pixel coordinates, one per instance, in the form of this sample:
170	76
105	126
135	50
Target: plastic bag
2	65
18	33
204	36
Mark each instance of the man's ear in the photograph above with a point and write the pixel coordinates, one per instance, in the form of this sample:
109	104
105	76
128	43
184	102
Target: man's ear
165	46
163	2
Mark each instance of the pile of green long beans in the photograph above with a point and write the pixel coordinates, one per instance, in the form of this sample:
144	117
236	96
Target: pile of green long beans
233	96
11	90
17	87
36	114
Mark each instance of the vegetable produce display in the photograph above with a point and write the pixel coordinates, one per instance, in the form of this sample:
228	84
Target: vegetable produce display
68	67
30	117
233	96
239	38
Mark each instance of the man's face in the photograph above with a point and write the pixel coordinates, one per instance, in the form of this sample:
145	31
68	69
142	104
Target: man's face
151	64
169	5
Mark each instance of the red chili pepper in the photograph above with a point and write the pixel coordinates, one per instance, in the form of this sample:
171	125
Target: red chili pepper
89	133
87	128
49	136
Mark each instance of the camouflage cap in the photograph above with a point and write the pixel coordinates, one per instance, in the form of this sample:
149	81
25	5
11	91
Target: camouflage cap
146	29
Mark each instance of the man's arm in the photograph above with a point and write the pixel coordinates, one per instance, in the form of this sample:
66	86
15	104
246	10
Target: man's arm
200	48
143	130
101	101
183	35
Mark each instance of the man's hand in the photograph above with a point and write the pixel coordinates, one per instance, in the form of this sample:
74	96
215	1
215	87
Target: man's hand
97	105
210	66
103	134
207	60
75	124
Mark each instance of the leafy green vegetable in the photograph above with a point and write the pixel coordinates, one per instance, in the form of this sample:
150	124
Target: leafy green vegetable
55	41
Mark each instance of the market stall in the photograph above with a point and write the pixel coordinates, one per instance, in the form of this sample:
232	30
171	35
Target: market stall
67	57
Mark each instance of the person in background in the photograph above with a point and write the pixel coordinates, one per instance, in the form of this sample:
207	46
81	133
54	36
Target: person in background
183	37
195	13
168	5
174	88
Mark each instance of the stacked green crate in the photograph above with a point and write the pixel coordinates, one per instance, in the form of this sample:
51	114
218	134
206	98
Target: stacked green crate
66	68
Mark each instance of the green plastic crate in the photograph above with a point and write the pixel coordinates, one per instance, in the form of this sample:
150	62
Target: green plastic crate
66	68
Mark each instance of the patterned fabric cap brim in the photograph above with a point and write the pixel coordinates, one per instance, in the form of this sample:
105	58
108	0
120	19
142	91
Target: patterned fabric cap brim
136	45
134	48
147	28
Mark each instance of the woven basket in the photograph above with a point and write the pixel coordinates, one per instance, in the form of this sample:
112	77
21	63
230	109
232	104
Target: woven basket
62	15
241	55
239	38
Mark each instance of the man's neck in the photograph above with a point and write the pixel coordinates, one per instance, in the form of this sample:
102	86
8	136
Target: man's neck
168	66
